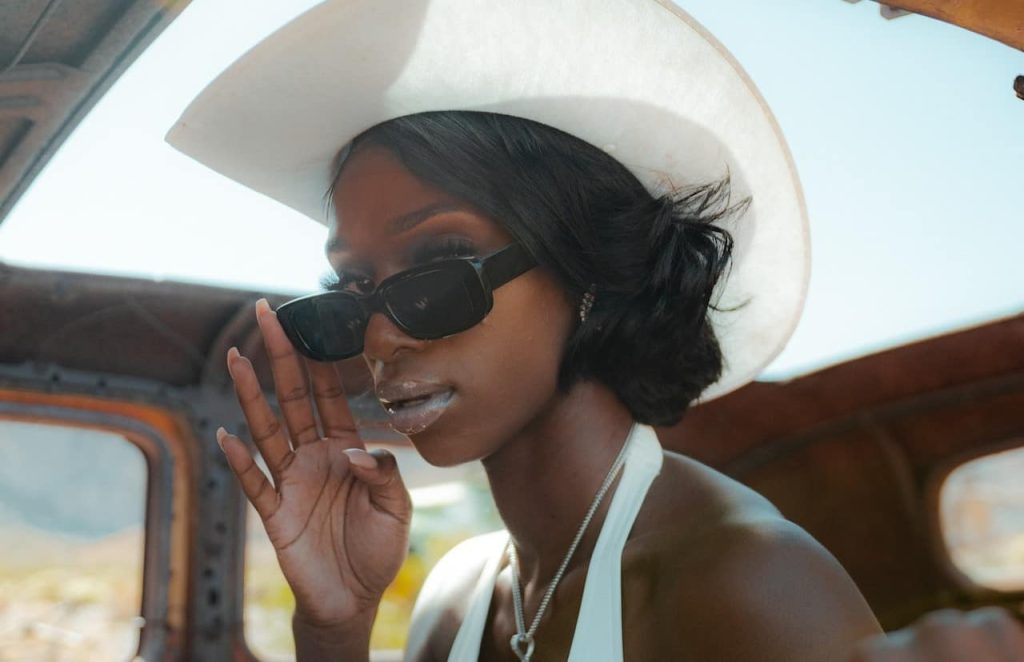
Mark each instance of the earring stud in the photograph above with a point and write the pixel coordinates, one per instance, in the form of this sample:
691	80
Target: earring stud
586	303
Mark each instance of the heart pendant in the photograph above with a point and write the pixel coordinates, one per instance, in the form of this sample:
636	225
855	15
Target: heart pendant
522	646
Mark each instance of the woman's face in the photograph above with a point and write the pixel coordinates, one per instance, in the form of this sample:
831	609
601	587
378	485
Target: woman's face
458	398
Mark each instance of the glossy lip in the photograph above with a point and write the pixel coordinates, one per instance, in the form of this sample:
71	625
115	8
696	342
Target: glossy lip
432	400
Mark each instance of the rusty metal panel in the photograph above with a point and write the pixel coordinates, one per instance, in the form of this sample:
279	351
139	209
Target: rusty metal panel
856	455
1002	20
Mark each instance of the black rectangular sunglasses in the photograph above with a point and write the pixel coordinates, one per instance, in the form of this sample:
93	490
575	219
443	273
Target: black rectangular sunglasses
426	302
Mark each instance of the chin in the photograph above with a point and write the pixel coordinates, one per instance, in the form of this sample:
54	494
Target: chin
438	448
447	446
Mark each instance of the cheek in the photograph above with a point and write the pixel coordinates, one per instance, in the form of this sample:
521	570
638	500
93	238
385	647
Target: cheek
513	356
505	371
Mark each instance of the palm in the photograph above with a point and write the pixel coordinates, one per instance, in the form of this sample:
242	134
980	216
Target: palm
337	546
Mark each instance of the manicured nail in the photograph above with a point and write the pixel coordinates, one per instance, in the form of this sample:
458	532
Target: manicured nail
361	458
232	356
221	433
262	308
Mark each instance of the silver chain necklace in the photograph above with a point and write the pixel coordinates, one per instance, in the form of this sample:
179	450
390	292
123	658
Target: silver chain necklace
522	641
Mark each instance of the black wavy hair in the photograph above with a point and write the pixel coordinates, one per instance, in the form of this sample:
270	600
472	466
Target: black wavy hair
652	262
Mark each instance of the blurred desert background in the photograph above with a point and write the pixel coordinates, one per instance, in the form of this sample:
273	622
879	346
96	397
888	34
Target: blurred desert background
72	504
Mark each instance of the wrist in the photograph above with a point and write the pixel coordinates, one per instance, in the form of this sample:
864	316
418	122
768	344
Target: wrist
343	640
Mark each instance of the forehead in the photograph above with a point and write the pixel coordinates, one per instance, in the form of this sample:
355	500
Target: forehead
376	194
377	199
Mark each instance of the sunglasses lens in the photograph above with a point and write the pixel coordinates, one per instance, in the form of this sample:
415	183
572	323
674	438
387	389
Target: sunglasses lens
438	303
328	327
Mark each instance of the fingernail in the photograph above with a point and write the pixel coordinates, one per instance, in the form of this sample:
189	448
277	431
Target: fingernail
262	308
361	458
221	433
232	355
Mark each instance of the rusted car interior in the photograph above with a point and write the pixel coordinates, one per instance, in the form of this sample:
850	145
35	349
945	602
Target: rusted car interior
856	453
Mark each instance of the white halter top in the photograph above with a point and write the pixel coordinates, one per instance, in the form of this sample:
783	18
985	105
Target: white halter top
598	634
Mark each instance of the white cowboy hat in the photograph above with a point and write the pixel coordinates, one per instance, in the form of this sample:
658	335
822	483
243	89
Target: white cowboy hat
637	78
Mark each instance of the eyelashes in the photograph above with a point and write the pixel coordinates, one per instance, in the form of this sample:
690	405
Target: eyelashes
345	282
329	281
447	248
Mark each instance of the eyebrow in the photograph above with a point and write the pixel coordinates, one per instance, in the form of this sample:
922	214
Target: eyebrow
406	221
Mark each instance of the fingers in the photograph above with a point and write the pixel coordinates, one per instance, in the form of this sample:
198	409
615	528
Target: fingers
290	383
1003	631
881	648
331	403
263	424
257	488
378	470
983	635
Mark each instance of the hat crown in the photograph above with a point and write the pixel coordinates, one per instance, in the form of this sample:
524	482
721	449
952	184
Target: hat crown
637	78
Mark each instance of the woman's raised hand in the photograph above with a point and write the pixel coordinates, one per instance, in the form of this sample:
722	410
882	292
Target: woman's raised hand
989	634
337	515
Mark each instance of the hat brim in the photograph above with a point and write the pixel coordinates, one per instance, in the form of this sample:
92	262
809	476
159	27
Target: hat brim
639	79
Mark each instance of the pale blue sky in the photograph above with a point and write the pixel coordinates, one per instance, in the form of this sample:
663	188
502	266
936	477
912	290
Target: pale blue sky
908	138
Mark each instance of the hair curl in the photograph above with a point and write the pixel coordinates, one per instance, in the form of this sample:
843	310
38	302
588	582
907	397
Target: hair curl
653	263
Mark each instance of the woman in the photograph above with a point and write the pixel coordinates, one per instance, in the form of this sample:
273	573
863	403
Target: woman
525	299
544	390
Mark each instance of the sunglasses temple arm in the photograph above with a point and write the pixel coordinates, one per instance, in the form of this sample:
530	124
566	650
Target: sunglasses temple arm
506	264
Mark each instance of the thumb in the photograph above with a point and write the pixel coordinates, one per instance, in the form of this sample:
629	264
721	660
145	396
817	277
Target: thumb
378	470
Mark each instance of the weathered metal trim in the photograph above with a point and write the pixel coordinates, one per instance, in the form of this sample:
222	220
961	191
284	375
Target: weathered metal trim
141	23
770	451
212	607
33	32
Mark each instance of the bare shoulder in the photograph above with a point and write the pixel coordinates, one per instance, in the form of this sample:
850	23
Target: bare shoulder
445	597
738	579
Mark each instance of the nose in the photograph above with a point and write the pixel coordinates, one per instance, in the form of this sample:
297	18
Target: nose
384	341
